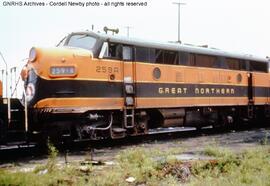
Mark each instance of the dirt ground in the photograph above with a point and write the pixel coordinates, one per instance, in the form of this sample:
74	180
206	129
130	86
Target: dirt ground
189	148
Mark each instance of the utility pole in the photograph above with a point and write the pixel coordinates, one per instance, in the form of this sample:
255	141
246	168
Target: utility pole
6	73
128	28
179	7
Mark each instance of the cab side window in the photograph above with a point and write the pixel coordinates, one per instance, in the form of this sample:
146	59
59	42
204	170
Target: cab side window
127	53
142	54
114	51
258	66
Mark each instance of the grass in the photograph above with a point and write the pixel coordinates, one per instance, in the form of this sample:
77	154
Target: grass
51	163
250	167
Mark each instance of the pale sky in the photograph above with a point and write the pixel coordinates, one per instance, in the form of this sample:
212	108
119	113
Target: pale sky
232	25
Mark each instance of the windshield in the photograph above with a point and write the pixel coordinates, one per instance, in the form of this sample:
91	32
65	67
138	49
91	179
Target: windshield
62	42
82	41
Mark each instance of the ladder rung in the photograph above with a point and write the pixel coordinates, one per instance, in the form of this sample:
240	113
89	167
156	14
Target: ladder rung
14	120
129	107
118	130
14	110
129	115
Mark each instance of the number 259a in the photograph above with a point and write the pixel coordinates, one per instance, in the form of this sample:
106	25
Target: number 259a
104	69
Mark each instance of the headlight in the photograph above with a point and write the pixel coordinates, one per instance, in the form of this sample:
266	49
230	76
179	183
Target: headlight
63	71
32	54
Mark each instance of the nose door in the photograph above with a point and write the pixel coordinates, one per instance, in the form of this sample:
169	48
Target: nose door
250	88
250	96
129	88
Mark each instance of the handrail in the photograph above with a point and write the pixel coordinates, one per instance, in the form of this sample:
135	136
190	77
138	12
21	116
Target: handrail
25	112
15	89
106	128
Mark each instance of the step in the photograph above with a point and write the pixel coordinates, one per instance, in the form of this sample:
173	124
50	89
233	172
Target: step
15	110
130	115
170	130
118	130
16	145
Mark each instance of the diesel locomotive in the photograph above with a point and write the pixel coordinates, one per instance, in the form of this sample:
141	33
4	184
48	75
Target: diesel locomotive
96	86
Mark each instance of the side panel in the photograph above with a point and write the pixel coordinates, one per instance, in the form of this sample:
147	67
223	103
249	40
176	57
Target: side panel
180	86
261	84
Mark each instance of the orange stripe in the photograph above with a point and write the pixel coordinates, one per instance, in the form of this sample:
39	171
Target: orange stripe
261	100
189	102
91	103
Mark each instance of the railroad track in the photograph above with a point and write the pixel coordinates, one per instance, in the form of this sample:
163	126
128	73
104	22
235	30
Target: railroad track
17	150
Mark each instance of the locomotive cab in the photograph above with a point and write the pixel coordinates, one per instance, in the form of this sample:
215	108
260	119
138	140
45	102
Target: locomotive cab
57	63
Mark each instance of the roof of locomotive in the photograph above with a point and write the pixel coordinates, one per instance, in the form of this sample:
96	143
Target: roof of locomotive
172	46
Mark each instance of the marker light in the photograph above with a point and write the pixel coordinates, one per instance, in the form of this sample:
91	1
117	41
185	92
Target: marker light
32	54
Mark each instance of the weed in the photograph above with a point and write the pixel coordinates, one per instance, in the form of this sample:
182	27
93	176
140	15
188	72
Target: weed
217	151
110	177
137	162
251	167
53	153
265	140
